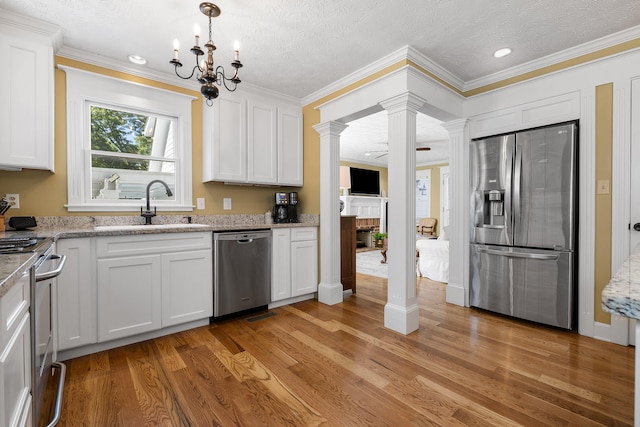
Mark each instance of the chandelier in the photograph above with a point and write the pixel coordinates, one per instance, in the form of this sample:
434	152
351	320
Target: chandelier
208	76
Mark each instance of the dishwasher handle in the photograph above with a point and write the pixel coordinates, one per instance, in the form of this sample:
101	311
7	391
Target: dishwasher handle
244	241
55	272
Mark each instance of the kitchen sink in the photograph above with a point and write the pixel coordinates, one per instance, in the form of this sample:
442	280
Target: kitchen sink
146	227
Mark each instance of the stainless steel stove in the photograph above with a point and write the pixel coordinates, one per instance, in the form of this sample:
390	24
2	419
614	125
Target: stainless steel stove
47	376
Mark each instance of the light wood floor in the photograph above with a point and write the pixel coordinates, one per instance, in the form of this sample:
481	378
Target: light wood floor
310	364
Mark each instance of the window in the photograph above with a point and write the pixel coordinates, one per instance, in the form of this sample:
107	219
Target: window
423	194
122	136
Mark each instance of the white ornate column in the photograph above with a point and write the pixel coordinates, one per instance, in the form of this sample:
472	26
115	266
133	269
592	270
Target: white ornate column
401	311
458	286
330	287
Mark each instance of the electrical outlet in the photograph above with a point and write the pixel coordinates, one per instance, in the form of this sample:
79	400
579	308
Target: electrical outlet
226	203
200	202
14	200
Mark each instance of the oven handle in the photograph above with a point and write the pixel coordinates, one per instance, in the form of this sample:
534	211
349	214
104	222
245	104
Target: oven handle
55	272
58	404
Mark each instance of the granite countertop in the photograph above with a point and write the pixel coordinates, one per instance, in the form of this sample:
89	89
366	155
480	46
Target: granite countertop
621	296
12	266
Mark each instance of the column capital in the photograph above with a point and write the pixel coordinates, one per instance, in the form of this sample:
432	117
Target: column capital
455	126
332	128
404	101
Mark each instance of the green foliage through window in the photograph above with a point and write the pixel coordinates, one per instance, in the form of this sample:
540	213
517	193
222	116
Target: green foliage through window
114	131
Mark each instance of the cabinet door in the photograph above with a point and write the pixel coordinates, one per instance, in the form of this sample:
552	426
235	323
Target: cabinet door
187	287
15	375
261	143
304	267
26	104
75	297
290	147
281	264
225	140
129	296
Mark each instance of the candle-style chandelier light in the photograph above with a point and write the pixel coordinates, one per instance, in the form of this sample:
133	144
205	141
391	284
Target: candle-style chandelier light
209	76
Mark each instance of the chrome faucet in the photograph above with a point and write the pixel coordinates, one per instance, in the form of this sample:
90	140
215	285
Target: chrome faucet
148	213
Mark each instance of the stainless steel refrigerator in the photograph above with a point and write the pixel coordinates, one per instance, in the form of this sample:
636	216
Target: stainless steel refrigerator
524	224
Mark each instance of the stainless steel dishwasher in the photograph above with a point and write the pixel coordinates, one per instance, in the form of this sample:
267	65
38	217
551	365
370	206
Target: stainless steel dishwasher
241	271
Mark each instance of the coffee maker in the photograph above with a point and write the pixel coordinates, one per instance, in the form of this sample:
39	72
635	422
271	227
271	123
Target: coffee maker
280	211
292	208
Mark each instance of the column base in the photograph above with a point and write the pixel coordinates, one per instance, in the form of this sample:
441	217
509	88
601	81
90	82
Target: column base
401	319
330	293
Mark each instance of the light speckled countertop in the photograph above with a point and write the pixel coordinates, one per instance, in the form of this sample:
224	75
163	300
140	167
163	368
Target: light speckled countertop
12	266
621	296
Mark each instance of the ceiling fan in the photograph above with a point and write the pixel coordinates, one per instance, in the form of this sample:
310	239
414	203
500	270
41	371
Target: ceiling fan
385	152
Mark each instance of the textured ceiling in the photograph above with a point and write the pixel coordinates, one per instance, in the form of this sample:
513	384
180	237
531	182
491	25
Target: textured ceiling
299	47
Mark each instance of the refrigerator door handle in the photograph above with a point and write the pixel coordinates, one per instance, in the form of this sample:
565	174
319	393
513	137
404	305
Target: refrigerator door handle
545	257
516	190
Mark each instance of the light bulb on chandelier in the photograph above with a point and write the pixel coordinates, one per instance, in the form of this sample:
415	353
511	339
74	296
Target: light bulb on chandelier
209	77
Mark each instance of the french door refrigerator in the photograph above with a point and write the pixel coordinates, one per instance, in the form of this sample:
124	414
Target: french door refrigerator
523	224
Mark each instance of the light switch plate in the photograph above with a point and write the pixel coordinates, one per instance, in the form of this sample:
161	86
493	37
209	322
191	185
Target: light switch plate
603	186
226	203
200	203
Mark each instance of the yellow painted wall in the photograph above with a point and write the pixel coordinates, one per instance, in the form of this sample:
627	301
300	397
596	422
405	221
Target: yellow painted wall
604	144
43	193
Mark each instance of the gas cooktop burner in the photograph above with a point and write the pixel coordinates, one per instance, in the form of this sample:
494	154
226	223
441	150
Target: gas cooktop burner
12	245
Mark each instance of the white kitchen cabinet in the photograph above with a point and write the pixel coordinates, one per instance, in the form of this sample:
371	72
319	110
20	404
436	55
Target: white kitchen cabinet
224	140
280	264
129	298
294	262
76	295
15	355
304	260
27	87
262	144
252	140
187	286
152	281
290	147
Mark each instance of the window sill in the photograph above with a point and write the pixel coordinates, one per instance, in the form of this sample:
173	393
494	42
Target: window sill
110	207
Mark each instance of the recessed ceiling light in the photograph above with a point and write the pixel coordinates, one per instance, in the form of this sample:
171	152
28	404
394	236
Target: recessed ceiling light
367	154
502	52
137	59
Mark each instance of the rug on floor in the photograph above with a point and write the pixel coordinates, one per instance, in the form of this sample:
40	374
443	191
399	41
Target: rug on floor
368	262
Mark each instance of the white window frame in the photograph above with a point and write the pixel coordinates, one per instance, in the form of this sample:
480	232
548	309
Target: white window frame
426	175
84	88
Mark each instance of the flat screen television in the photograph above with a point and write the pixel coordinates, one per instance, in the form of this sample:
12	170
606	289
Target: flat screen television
365	182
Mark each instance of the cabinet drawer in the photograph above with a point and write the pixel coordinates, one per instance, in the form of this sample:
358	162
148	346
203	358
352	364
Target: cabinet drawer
304	233
146	244
13	305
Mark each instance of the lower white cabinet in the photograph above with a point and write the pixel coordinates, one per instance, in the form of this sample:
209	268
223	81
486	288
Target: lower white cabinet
119	286
76	293
129	300
187	286
15	355
295	262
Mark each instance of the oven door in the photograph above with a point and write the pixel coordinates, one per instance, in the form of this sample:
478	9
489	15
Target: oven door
47	376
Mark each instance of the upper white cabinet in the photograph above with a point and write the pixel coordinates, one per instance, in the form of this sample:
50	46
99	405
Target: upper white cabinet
290	145
27	87
252	140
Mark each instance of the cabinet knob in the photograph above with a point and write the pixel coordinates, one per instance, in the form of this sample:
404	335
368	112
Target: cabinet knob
636	226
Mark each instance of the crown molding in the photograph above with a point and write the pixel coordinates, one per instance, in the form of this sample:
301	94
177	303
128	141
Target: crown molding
428	65
358	75
33	25
411	54
556	58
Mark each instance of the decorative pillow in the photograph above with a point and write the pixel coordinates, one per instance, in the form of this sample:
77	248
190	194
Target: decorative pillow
444	233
